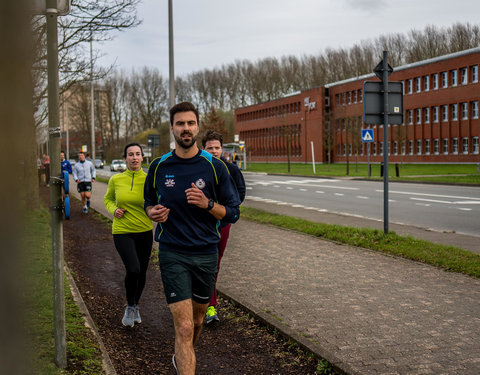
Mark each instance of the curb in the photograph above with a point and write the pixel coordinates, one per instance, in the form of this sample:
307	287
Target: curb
106	362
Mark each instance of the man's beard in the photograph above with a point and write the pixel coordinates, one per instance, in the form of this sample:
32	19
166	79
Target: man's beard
185	144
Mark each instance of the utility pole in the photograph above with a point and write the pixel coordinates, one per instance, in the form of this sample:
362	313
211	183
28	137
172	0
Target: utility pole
92	101
55	185
171	65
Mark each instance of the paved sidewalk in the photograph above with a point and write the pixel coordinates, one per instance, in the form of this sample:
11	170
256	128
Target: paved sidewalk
367	313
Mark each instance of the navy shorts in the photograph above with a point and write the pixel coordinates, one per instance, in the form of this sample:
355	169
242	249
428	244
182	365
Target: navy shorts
84	186
188	276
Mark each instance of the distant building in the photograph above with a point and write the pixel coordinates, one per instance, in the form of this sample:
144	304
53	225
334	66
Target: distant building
441	118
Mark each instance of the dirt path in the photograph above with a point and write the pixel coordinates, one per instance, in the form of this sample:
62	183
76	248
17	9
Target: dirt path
236	345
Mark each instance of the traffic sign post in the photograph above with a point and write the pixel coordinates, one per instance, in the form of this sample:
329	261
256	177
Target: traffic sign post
368	137
383	104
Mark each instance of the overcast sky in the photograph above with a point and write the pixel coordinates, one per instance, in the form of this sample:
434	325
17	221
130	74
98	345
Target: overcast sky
210	33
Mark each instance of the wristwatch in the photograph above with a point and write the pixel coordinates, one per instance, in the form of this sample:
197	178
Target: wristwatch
210	204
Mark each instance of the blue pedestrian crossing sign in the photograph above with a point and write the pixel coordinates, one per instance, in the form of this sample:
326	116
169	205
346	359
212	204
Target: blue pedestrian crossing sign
367	135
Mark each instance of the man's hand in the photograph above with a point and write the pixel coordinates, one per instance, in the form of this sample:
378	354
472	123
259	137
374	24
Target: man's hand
195	196
158	213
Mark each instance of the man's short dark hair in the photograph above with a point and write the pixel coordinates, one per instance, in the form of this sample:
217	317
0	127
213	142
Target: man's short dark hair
212	135
183	107
130	145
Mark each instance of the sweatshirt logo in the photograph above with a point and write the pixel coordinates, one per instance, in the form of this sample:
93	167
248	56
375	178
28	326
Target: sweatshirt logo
169	182
200	183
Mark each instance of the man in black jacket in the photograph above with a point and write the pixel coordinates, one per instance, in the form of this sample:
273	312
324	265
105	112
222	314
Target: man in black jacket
212	142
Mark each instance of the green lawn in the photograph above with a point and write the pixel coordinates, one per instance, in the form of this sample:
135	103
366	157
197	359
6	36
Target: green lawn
83	354
449	173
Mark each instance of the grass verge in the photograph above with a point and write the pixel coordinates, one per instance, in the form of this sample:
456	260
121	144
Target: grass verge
83	354
449	258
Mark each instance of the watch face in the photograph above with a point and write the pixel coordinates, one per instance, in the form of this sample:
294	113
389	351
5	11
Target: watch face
210	204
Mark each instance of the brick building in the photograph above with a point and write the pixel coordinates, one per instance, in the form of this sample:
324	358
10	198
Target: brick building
441	118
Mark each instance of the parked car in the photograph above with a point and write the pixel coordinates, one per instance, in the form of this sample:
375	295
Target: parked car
98	163
118	165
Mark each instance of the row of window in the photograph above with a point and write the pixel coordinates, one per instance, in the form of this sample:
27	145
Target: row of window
278	110
416	148
444	79
446	112
349	97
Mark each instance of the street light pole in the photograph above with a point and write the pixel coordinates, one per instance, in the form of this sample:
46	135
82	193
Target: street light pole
55	185
171	64
92	106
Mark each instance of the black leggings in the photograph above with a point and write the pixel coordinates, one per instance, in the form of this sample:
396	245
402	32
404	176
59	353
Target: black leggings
135	250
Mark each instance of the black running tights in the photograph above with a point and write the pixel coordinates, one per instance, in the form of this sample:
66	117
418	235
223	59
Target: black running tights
135	250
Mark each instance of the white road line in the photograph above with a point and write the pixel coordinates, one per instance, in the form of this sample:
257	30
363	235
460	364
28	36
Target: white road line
319	192
464	209
303	189
361	197
339	194
422	204
430	200
430	195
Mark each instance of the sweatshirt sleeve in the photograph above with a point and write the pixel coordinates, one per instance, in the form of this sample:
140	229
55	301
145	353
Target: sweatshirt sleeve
75	177
149	194
109	198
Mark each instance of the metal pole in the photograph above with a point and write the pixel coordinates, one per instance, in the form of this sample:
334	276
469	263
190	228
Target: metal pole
55	185
171	64
385	142
313	157
66	131
92	106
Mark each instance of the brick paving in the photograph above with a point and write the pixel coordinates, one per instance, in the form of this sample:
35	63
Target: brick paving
367	313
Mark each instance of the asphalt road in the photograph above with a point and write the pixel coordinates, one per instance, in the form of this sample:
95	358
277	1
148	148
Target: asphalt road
443	208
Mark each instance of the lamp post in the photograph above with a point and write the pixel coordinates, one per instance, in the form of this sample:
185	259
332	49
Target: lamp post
92	106
171	65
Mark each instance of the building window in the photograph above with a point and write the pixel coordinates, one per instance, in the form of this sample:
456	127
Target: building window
410	147
426	83
427	146
463	76
474	70
444	113
419	147
337	99
381	148
418	84
444	79
435	81
410	116
435	114
445	146
349	149
343	98
455	146
403	147
465	145
453	75
435	146
475	145
426	115
418	116
343	149
349	97
474	109
464	111
374	148
454	112
354	96
409	86
338	149
360	96
395	147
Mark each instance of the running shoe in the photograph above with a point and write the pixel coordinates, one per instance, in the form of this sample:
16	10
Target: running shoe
128	317
85	209
211	315
136	317
88	203
174	363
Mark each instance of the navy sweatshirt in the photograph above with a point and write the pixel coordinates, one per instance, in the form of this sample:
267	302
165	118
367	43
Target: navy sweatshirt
190	229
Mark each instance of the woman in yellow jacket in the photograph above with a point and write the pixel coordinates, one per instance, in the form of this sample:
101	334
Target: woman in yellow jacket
132	229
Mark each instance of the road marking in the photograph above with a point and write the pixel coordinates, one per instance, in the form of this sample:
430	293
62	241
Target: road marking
430	200
362	197
289	188
422	204
339	194
431	195
303	189
464	209
319	192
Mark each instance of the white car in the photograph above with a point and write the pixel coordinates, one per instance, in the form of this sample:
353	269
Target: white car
118	165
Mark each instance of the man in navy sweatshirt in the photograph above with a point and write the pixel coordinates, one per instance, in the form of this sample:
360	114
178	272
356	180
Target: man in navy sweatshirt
188	192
